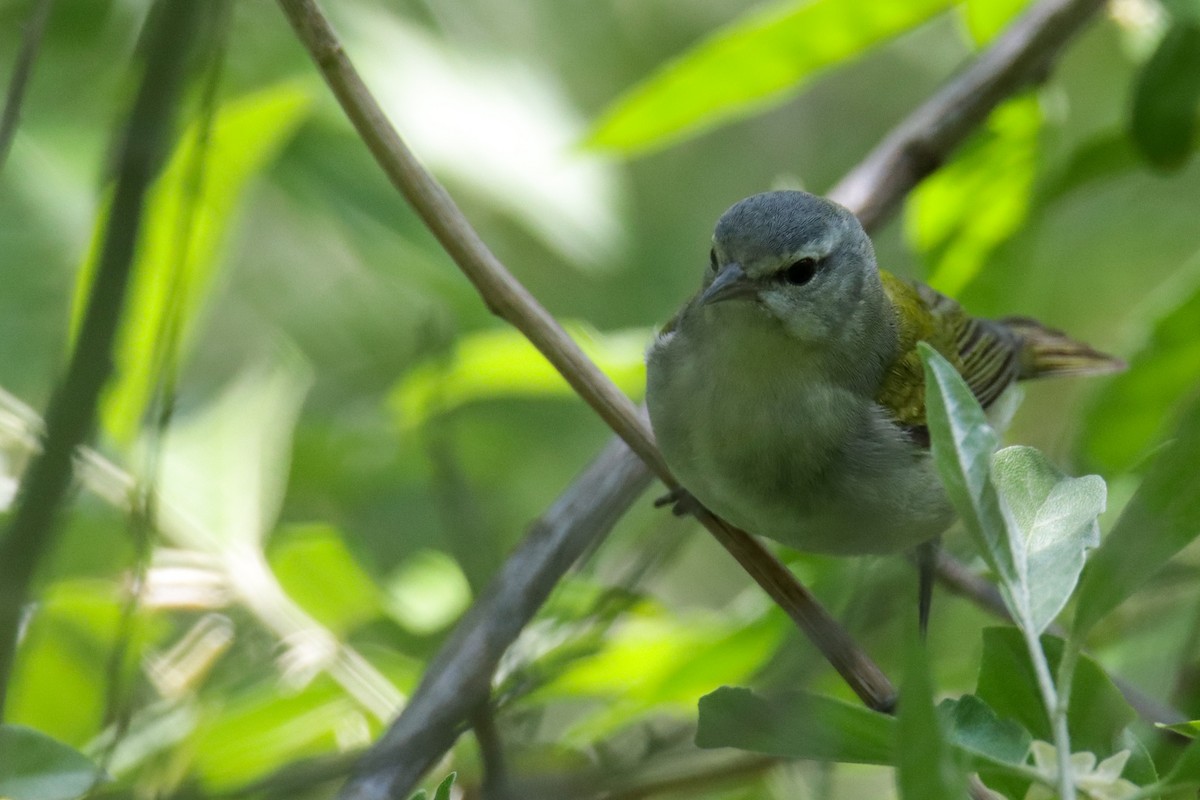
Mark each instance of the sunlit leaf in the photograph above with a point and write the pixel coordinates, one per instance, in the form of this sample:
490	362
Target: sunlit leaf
501	363
1167	97
986	18
756	60
317	570
170	284
1137	408
960	214
34	766
427	592
1057	516
224	469
925	765
1161	519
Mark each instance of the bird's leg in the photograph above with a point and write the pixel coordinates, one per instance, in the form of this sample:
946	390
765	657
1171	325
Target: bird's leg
927	556
680	500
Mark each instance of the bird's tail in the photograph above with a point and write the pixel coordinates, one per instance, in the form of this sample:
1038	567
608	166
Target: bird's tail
1046	351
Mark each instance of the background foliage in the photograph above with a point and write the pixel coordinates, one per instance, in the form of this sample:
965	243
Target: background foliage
353	443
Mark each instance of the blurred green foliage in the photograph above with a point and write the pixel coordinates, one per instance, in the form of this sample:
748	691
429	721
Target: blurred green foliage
355	443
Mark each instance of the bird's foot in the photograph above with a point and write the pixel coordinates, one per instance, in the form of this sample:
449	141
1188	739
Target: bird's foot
680	500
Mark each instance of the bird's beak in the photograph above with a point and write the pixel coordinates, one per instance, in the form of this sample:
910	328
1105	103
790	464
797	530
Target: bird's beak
731	282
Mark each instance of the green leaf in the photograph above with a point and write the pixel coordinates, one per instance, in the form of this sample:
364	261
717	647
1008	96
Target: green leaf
224	469
1096	716
962	444
1186	772
317	570
1166	97
958	216
976	728
427	592
795	725
986	18
1190	729
169	286
443	789
1135	409
1161	519
501	363
1057	516
925	765
754	62
34	766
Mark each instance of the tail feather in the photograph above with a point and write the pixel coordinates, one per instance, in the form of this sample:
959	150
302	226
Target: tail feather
1046	351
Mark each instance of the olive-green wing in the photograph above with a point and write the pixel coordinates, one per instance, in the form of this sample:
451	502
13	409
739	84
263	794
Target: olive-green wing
988	354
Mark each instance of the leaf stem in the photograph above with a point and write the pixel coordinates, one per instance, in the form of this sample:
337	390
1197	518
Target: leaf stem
1056	706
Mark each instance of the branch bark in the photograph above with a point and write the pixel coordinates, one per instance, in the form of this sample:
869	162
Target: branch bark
459	678
72	411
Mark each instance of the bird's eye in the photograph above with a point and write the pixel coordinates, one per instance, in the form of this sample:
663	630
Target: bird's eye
799	272
712	259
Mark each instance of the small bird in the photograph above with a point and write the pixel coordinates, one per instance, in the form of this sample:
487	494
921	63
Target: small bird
788	395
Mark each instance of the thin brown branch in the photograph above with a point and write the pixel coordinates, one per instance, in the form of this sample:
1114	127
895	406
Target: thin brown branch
918	145
72	410
459	676
31	41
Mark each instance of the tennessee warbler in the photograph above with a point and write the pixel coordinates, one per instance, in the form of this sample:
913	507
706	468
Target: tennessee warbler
788	396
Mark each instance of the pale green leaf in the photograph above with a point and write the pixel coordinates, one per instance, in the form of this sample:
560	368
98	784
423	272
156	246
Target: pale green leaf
317	570
34	766
188	209
1162	518
427	592
443	790
958	216
962	443
756	60
501	363
1056	514
224	468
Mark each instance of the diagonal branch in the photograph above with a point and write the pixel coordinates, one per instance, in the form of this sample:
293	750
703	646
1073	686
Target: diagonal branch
72	410
35	28
459	678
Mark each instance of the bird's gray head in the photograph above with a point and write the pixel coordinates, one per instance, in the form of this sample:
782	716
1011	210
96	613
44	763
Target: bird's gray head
803	259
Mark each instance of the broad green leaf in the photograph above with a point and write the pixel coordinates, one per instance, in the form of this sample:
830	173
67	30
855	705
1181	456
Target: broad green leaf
1161	519
501	362
170	283
795	725
960	214
962	444
1135	410
1097	713
316	569
34	766
224	469
1056	514
801	724
925	765
976	728
1167	96
986	18
757	60
1186	772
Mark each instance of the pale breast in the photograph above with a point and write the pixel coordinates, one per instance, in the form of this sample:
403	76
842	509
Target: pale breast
784	453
